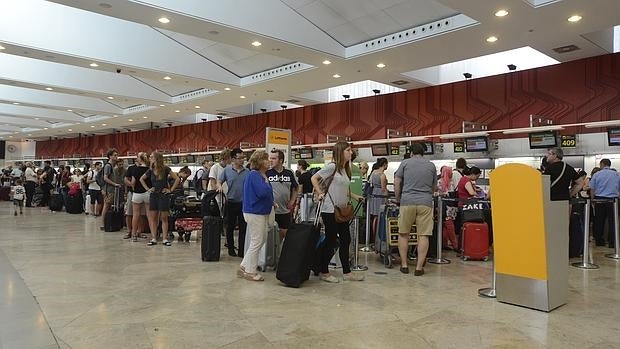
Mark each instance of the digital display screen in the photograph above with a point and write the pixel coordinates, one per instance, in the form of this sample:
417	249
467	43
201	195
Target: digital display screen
476	144
380	150
131	161
306	153
56	163
200	159
543	140
613	136
429	148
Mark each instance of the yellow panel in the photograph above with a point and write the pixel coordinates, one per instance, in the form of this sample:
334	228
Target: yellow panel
518	221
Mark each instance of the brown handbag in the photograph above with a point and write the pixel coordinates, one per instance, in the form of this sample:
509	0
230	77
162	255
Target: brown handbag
344	213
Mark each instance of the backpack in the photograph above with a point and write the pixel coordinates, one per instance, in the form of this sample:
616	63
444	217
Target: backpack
99	179
197	181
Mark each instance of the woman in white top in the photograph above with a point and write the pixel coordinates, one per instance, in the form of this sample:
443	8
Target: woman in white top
336	192
31	183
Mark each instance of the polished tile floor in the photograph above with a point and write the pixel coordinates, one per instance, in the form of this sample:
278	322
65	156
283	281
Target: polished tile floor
99	291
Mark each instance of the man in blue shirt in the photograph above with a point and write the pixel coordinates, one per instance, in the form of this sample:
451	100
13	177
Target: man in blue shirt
605	184
234	176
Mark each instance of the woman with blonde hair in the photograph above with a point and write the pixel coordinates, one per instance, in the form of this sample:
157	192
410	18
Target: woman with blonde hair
257	206
159	202
140	197
335	193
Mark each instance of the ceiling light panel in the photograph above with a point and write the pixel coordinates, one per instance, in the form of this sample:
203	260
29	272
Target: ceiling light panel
501	13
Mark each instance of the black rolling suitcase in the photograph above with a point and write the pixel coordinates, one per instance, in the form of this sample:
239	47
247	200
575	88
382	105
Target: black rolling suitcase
56	202
74	204
299	251
212	227
115	216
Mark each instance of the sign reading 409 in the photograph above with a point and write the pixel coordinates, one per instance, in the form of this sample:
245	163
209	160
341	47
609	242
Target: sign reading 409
568	141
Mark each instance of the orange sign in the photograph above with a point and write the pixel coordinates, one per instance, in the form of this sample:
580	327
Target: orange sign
279	137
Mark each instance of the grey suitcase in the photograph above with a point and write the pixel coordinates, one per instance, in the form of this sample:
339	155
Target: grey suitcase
269	253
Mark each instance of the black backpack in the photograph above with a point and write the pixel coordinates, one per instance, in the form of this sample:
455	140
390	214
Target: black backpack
197	181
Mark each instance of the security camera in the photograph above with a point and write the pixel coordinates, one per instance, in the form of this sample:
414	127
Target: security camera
263	110
376	92
119	70
283	106
169	124
512	67
346	96
203	119
220	116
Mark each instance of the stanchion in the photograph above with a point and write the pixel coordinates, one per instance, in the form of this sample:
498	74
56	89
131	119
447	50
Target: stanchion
367	248
489	292
356	231
585	260
616	254
438	259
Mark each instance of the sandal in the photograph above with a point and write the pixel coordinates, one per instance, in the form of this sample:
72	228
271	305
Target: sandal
253	277
404	270
127	236
241	272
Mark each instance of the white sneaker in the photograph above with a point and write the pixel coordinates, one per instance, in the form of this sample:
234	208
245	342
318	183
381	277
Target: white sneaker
330	278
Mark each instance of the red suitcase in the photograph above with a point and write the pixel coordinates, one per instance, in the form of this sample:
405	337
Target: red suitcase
475	241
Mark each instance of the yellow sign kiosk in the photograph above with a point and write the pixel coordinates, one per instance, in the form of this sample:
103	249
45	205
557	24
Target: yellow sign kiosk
530	239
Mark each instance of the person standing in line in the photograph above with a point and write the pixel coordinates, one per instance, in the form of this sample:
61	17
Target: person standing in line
109	186
216	171
31	183
18	192
565	181
46	179
605	184
139	197
234	176
378	180
257	205
201	178
415	181
285	191
94	190
335	192
159	202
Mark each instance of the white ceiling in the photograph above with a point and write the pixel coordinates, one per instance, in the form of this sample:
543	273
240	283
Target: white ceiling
207	53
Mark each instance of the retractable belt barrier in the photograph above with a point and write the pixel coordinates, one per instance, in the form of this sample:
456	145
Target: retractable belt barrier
586	262
368	247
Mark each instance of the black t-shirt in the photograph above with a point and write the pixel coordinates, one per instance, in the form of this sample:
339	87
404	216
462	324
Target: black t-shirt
306	182
137	172
49	178
159	184
561	190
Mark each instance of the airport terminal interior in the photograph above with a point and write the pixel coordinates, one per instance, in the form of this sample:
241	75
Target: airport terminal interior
506	95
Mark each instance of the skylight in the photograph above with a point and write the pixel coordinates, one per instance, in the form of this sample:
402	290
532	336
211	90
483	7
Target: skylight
489	65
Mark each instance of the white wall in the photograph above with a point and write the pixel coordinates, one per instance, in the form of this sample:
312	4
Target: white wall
22	150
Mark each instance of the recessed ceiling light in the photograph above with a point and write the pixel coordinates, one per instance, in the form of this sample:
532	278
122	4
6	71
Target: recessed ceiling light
164	20
2	47
177	111
94	65
104	124
197	106
162	105
492	39
226	88
114	116
129	119
574	18
167	78
145	117
92	126
380	65
45	128
501	13
16	103
37	118
10	136
110	97
256	43
242	97
49	89
69	109
326	62
335	76
30	134
69	130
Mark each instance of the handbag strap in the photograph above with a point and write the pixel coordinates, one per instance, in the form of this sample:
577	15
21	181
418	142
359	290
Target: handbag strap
560	176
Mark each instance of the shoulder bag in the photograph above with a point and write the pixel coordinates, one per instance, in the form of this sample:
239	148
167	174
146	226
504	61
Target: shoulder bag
343	213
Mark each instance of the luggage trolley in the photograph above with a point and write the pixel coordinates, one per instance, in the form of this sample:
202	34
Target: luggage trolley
386	242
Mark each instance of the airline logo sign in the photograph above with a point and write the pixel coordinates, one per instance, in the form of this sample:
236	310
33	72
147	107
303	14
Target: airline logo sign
279	137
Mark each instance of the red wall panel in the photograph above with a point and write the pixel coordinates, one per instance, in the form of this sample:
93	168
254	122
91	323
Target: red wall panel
578	91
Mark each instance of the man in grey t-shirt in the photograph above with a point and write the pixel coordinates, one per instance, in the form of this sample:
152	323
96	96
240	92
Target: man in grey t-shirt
284	188
415	181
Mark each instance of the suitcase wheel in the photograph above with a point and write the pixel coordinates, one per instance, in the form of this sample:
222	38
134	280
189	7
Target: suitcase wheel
485	259
465	258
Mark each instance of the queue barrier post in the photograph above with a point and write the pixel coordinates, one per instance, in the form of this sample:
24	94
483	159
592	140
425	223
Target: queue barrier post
356	231
438	259
585	259
489	292
616	254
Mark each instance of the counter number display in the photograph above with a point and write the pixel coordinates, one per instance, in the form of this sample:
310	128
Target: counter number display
568	141
459	147
394	150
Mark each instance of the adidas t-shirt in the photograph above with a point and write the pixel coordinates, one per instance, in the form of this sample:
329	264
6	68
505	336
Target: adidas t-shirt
282	183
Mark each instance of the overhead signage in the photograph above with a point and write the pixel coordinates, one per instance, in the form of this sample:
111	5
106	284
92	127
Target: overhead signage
280	139
395	150
569	141
459	147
